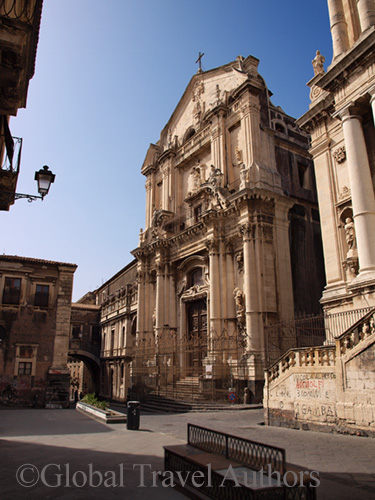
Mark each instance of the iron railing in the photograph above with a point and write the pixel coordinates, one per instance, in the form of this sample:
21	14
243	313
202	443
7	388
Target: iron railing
217	482
338	323
248	453
309	331
10	161
21	10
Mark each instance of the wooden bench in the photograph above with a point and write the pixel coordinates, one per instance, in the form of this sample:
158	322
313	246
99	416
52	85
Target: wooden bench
225	467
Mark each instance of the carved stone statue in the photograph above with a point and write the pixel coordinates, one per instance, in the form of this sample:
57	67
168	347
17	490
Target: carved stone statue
215	176
244	177
238	155
350	235
318	63
239	299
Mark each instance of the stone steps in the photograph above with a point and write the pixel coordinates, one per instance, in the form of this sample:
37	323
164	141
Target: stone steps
159	404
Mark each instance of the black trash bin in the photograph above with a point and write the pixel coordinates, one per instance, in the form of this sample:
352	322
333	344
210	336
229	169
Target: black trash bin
132	422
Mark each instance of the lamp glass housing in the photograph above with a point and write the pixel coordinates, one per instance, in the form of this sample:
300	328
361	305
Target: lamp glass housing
44	178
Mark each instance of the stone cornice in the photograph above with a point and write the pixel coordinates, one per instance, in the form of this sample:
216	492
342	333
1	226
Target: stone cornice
252	85
211	113
316	113
168	153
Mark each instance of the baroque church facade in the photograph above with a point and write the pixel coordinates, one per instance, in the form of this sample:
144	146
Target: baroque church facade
332	387
341	123
231	241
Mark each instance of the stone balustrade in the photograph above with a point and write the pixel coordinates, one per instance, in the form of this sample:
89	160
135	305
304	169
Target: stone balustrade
311	356
357	333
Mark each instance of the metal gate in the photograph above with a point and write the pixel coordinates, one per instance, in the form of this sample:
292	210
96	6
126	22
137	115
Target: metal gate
193	367
295	332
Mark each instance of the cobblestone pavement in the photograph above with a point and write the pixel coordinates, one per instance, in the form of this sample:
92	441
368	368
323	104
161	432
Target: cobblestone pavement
50	439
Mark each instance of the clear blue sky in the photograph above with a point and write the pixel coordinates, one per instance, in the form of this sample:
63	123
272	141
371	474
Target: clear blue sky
108	77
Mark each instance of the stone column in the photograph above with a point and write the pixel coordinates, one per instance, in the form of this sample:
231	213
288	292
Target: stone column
159	297
366	12
362	191
141	298
339	27
171	302
283	264
214	270
217	143
372	101
251	289
250	121
148	186
231	310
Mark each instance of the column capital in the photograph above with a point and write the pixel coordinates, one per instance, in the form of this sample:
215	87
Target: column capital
246	231
371	92
212	246
351	110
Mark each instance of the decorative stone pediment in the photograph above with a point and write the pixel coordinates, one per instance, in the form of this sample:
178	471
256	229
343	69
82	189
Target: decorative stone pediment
158	221
195	292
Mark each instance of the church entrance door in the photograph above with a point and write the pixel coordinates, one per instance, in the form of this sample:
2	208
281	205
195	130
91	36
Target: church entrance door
197	335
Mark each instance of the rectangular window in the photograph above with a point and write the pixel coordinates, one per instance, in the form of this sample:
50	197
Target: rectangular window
12	291
41	295
197	212
24	368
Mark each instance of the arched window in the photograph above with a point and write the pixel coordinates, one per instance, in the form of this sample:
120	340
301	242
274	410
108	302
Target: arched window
189	133
280	128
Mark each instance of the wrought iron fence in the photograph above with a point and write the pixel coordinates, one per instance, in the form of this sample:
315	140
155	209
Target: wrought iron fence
309	331
296	332
190	368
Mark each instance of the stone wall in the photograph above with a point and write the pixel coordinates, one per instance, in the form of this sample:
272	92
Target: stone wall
34	344
330	388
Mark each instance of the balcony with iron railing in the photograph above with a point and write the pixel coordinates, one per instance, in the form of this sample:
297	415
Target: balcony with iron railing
21	10
10	157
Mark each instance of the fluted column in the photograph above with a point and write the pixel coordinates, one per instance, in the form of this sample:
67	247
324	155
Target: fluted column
251	288
339	27
362	191
366	12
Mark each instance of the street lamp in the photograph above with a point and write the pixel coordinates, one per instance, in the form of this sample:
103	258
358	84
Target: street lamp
44	178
